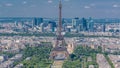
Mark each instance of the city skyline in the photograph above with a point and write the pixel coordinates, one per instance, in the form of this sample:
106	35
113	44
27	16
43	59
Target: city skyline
49	8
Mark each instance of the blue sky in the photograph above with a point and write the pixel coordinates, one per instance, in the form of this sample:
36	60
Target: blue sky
71	8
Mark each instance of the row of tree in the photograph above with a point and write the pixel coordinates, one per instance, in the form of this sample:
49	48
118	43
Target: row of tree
39	57
78	58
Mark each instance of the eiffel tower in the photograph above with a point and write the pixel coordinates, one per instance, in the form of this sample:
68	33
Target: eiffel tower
60	50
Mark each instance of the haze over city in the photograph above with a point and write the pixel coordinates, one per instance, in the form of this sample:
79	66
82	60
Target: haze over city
49	8
59	34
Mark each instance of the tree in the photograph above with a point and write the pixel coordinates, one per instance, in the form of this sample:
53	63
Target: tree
39	56
72	56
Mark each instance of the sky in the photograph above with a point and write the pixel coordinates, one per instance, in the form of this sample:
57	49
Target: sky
71	8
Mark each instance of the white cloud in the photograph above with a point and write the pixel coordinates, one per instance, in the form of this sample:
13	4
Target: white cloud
115	5
8	4
24	2
87	7
66	0
50	1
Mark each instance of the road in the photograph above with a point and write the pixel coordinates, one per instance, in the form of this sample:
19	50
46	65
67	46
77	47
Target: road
57	64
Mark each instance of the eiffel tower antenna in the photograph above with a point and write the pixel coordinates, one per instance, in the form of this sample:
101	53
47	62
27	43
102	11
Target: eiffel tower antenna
60	18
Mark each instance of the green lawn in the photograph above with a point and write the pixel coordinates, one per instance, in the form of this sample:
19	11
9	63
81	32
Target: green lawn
79	58
39	56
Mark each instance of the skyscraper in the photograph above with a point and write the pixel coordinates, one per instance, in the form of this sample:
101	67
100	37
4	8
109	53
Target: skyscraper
38	21
84	24
90	25
75	22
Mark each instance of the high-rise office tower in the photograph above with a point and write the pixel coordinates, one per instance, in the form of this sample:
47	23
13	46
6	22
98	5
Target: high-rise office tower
84	24
90	25
38	21
75	22
53	25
